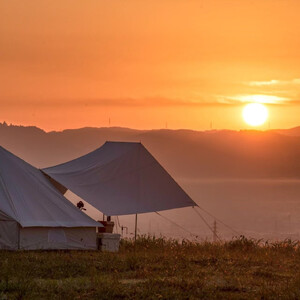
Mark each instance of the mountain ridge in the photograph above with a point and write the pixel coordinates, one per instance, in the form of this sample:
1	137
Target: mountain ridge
184	153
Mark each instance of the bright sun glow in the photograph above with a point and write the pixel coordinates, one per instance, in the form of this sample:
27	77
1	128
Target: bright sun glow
255	114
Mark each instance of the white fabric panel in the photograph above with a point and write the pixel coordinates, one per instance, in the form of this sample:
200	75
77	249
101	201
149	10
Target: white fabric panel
28	197
33	238
56	235
82	238
9	235
121	178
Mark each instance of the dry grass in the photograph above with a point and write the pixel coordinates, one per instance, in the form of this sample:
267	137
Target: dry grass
156	269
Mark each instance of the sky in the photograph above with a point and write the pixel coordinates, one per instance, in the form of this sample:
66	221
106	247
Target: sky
148	64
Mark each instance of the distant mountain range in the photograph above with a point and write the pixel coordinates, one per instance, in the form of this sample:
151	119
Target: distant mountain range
291	132
184	153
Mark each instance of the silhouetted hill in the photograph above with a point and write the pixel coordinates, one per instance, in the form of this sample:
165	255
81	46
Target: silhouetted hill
292	131
185	153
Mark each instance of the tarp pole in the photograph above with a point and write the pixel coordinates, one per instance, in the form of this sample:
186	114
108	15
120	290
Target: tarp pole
135	230
19	233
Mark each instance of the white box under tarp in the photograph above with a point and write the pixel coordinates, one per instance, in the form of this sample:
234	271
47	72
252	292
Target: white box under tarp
35	215
109	241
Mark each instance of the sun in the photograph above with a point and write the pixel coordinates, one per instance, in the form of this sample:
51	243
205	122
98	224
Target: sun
255	114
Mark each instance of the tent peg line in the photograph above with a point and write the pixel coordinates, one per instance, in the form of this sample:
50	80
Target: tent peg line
220	221
179	226
206	223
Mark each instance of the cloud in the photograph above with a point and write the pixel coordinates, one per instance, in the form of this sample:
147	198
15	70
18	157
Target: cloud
267	99
274	82
150	102
294	102
157	102
117	102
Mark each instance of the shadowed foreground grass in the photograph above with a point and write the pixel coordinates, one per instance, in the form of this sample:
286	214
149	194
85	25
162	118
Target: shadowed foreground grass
157	269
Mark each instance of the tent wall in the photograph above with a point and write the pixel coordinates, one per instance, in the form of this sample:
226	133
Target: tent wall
9	234
33	238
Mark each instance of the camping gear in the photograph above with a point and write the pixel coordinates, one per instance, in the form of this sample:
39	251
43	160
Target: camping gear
35	215
108	242
108	226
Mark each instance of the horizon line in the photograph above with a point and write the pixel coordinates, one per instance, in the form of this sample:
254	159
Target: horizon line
4	124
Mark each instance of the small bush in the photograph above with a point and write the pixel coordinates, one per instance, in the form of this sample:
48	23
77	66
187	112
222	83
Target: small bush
243	243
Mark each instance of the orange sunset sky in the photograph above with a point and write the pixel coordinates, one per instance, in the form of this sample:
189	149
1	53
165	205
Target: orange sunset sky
76	63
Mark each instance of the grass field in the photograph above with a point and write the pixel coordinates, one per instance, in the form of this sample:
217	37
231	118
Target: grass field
156	269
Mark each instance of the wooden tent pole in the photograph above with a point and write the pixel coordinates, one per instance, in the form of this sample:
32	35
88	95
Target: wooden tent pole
135	230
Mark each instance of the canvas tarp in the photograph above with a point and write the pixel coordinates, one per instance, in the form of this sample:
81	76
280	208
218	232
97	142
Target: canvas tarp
121	178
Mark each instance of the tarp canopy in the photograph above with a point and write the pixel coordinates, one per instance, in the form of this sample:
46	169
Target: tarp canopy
28	197
121	178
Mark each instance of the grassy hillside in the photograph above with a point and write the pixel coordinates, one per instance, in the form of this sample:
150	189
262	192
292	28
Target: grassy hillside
156	269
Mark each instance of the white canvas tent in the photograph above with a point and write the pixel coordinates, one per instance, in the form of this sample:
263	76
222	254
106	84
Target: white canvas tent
121	178
35	215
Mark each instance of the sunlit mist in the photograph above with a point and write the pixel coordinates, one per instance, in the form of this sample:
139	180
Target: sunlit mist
261	99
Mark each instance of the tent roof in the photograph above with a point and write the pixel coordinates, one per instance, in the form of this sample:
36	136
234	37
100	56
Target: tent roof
121	178
29	198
